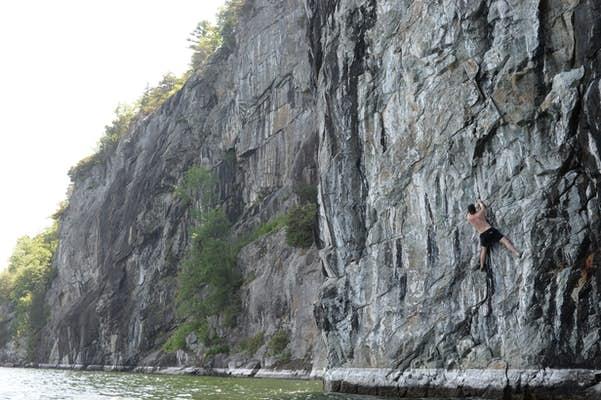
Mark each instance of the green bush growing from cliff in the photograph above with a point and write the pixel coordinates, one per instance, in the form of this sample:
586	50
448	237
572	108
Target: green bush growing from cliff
301	225
178	339
252	344
278	343
197	182
301	221
262	230
306	193
24	283
208	279
155	96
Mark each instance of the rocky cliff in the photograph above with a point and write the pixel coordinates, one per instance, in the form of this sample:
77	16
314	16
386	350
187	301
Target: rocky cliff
402	113
422	108
247	117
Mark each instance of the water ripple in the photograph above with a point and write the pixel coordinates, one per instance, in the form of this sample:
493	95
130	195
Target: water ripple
31	384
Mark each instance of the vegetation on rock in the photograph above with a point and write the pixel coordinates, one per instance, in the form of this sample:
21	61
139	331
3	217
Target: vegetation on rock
204	41
24	283
208	279
252	344
302	219
278	343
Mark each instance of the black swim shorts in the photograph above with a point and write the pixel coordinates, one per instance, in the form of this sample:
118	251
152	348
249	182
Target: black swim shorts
490	237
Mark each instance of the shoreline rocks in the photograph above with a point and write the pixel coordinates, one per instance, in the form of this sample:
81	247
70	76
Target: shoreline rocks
537	384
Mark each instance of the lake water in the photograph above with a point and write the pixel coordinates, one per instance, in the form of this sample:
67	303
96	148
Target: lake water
36	384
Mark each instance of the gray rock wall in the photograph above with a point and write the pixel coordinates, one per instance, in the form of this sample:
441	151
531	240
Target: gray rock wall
403	112
248	117
424	107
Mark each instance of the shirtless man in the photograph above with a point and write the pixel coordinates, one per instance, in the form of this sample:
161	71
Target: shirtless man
488	234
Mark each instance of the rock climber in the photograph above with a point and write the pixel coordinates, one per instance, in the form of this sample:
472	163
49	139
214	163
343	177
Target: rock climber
488	234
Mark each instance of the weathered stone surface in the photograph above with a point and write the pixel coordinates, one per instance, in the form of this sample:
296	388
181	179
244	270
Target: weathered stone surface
424	107
248	117
403	112
568	384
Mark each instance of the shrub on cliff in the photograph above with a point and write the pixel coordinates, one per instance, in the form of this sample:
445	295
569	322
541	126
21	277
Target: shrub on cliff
24	283
209	279
252	344
301	225
208	37
198	182
278	343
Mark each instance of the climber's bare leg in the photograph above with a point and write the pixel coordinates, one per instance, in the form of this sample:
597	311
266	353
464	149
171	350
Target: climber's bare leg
482	257
507	243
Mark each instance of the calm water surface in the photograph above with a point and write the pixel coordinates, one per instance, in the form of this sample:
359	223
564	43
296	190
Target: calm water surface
32	384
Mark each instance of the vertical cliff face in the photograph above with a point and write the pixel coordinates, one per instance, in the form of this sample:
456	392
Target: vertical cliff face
424	107
247	117
402	113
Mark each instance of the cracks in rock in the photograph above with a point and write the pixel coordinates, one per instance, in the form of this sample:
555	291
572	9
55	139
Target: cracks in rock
406	361
482	142
507	388
383	138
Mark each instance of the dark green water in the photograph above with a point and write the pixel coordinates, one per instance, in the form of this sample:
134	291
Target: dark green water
36	384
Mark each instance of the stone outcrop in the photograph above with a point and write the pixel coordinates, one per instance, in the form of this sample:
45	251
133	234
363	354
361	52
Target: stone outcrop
423	108
247	117
402	113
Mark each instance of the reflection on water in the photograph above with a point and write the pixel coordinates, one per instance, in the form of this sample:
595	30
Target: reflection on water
31	384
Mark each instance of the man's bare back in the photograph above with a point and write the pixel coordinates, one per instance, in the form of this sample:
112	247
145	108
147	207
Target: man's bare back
478	220
488	234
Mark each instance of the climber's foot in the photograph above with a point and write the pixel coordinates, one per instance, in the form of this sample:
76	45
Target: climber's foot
477	267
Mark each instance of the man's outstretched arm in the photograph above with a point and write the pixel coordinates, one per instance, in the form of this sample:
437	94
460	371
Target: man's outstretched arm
482	209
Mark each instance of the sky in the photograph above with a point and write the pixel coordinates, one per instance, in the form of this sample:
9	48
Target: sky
65	65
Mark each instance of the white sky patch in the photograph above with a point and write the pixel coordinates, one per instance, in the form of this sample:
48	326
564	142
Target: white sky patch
65	66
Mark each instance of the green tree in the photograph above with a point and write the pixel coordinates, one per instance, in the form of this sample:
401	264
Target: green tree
124	118
227	21
24	283
154	97
205	39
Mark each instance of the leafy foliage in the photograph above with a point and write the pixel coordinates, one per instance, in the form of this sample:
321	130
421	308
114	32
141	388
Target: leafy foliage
205	39
302	219
278	342
24	283
301	225
217	349
154	97
306	193
178	339
197	181
208	37
208	279
252	344
265	229
227	21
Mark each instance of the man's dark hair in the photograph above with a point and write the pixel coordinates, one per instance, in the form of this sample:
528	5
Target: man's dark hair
471	208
